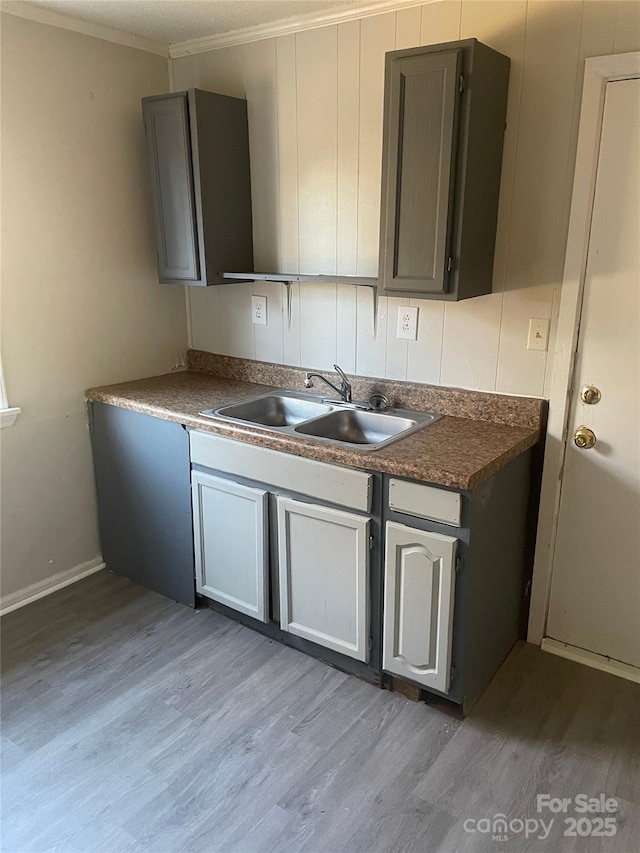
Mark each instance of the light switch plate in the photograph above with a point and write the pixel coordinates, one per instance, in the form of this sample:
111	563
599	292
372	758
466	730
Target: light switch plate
259	310
407	329
538	334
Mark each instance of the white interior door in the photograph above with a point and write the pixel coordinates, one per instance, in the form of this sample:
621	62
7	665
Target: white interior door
595	589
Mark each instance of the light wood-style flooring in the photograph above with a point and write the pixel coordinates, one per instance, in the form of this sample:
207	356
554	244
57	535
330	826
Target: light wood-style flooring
131	724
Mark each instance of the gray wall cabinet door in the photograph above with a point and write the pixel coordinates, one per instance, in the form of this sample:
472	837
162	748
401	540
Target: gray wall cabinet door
169	150
144	499
198	148
445	110
230	529
421	148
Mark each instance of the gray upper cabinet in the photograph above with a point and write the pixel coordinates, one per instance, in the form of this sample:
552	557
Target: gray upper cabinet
445	110
198	149
169	147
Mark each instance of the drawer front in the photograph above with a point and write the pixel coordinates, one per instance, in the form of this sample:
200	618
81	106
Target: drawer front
318	480
425	502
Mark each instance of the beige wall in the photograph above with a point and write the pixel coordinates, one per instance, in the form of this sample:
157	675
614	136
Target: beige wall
81	304
315	113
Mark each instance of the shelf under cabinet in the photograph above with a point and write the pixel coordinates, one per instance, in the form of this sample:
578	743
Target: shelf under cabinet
363	281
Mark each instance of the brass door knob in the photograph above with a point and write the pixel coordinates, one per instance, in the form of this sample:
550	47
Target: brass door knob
584	438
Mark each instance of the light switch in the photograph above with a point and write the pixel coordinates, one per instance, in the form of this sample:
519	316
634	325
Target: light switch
259	310
407	329
538	334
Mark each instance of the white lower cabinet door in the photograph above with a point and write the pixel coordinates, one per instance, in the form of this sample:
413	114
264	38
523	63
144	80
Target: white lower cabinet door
419	582
231	544
323	557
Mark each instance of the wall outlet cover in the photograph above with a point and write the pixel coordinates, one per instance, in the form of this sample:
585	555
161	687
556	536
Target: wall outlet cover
407	329
259	310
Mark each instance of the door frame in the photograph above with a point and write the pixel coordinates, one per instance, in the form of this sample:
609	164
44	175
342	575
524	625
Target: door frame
598	72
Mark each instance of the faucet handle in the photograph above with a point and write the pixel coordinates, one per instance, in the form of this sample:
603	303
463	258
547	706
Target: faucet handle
340	372
308	383
345	389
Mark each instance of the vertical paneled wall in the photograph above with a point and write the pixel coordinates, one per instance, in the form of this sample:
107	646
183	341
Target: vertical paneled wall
315	112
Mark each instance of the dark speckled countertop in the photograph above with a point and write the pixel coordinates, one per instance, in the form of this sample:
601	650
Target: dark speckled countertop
456	451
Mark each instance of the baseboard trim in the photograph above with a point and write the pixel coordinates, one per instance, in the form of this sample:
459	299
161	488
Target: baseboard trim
11	602
613	667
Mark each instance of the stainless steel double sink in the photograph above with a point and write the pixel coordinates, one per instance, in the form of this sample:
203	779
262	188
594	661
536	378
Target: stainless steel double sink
350	425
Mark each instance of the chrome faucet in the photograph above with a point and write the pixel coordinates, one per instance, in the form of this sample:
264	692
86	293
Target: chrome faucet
345	386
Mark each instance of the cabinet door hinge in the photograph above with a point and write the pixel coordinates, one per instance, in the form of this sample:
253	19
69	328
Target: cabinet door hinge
461	83
458	565
452	673
449	263
371	543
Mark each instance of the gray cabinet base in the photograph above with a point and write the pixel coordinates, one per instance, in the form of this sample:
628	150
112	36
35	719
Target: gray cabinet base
492	578
144	499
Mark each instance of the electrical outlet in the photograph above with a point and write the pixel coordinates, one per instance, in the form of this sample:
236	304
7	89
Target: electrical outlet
259	310
538	334
407	329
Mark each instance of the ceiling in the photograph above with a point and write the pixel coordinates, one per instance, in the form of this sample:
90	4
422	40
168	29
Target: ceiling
171	21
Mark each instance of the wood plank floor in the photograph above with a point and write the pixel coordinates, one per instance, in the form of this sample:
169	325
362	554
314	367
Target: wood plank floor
130	723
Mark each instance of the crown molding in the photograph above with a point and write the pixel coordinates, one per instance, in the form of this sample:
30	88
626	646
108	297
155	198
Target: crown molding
77	25
287	27
312	21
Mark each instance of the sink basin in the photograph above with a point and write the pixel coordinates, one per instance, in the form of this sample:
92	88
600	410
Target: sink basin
296	413
357	427
273	410
365	430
